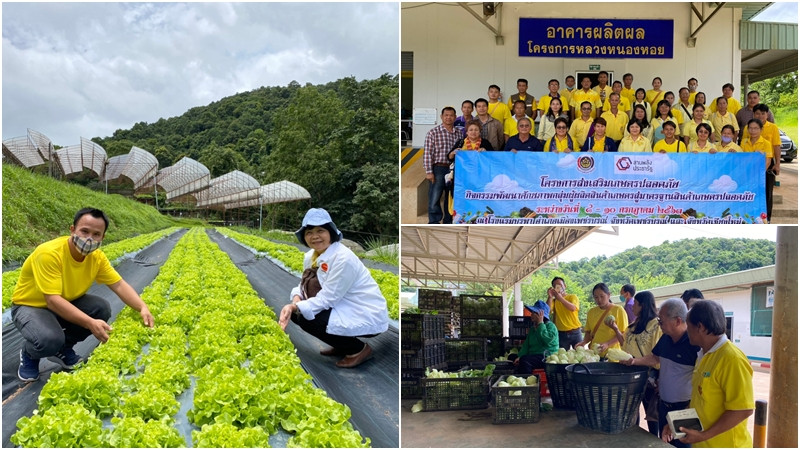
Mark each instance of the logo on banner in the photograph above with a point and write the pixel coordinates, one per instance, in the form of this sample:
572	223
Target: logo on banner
585	163
635	165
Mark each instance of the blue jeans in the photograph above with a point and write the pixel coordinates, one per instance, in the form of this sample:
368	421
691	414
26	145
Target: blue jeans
663	409
567	339
435	191
45	332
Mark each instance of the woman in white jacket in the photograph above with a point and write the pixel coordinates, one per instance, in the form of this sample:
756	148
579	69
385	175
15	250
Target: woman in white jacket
337	299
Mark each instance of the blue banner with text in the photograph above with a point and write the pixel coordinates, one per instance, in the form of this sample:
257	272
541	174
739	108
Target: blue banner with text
595	38
613	188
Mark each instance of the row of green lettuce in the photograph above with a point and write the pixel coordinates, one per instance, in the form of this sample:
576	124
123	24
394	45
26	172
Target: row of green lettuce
113	251
212	328
292	258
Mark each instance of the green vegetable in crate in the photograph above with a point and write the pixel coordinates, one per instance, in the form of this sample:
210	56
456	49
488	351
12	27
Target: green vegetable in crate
417	407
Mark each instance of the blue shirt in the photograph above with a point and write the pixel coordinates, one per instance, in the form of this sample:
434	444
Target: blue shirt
677	364
531	145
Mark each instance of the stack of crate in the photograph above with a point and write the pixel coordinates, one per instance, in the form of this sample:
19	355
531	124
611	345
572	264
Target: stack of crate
440	302
422	341
482	317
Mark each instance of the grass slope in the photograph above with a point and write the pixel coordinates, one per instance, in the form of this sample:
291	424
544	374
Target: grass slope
37	208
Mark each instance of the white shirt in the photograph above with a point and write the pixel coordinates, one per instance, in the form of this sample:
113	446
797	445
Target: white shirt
348	290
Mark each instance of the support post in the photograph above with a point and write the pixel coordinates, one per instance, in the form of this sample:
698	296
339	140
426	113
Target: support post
782	416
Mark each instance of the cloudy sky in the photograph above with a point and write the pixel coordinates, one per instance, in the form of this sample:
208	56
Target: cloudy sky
88	69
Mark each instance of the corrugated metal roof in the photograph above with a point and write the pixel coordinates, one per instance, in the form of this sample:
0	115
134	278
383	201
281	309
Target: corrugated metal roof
749	9
767	36
720	283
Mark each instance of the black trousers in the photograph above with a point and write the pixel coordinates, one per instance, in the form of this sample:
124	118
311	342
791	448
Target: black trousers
770	187
347	345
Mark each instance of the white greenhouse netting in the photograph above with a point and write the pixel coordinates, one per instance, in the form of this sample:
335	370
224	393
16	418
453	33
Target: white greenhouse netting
139	166
42	144
186	176
87	154
233	187
281	191
21	151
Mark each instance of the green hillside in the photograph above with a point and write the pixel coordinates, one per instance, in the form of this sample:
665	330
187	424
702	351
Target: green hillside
37	208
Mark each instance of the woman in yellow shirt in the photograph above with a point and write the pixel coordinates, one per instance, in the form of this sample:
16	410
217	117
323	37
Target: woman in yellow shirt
655	95
599	142
598	329
727	142
700	98
640	114
634	141
641	94
561	141
702	144
690	127
722	117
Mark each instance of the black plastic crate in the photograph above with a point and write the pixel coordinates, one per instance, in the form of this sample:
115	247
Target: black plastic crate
430	355
432	300
461	352
495	347
515	404
416	329
442	394
410	386
518	326
560	391
480	307
481	327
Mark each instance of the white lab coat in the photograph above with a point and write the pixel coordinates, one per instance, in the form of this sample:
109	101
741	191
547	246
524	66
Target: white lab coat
348	290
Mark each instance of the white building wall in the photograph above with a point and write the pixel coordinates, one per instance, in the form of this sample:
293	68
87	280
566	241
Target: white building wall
738	303
456	58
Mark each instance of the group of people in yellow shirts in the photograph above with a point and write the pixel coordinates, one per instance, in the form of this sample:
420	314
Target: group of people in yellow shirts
621	118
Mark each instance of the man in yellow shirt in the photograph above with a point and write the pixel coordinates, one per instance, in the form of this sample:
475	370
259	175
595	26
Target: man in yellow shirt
769	132
602	88
569	88
628	91
544	101
692	85
498	109
616	120
564	313
522	94
722	382
51	307
624	104
579	130
587	94
733	105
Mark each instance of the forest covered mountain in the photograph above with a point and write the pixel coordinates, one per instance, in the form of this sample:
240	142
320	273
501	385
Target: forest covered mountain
338	140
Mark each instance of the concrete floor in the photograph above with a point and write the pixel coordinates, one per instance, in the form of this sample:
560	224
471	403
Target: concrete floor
557	428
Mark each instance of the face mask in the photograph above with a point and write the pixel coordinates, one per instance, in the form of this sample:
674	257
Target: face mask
622	298
569	88
85	246
726	139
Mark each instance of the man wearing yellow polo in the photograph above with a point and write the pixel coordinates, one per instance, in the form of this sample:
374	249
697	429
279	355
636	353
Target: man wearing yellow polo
564	312
722	382
586	94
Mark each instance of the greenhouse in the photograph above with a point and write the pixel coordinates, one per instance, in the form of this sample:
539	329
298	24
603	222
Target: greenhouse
138	166
86	155
184	178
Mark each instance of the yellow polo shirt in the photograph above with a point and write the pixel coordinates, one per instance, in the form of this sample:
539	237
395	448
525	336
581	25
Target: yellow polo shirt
694	147
654	97
615	125
566	93
630	94
718	121
624	104
562	145
676	147
592	97
769	132
723	380
690	129
51	270
691	97
544	103
500	112
579	130
761	145
726	148
604	332
565	319
629	145
510	127
733	105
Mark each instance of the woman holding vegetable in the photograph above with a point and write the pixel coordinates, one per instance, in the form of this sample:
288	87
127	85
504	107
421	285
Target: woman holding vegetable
598	329
639	339
542	339
337	299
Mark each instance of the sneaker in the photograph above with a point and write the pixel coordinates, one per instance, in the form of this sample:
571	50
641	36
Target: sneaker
28	367
66	357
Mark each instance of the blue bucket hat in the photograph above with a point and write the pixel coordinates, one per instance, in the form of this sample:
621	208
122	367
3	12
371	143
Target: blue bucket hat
318	217
541	306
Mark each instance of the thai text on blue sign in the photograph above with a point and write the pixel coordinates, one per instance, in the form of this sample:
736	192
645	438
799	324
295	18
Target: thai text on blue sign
613	188
595	38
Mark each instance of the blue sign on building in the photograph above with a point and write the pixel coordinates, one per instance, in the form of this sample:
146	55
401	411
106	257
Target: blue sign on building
595	38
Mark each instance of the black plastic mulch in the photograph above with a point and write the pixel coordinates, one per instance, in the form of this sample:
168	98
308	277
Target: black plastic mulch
370	390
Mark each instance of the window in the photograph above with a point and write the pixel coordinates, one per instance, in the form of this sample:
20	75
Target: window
760	312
